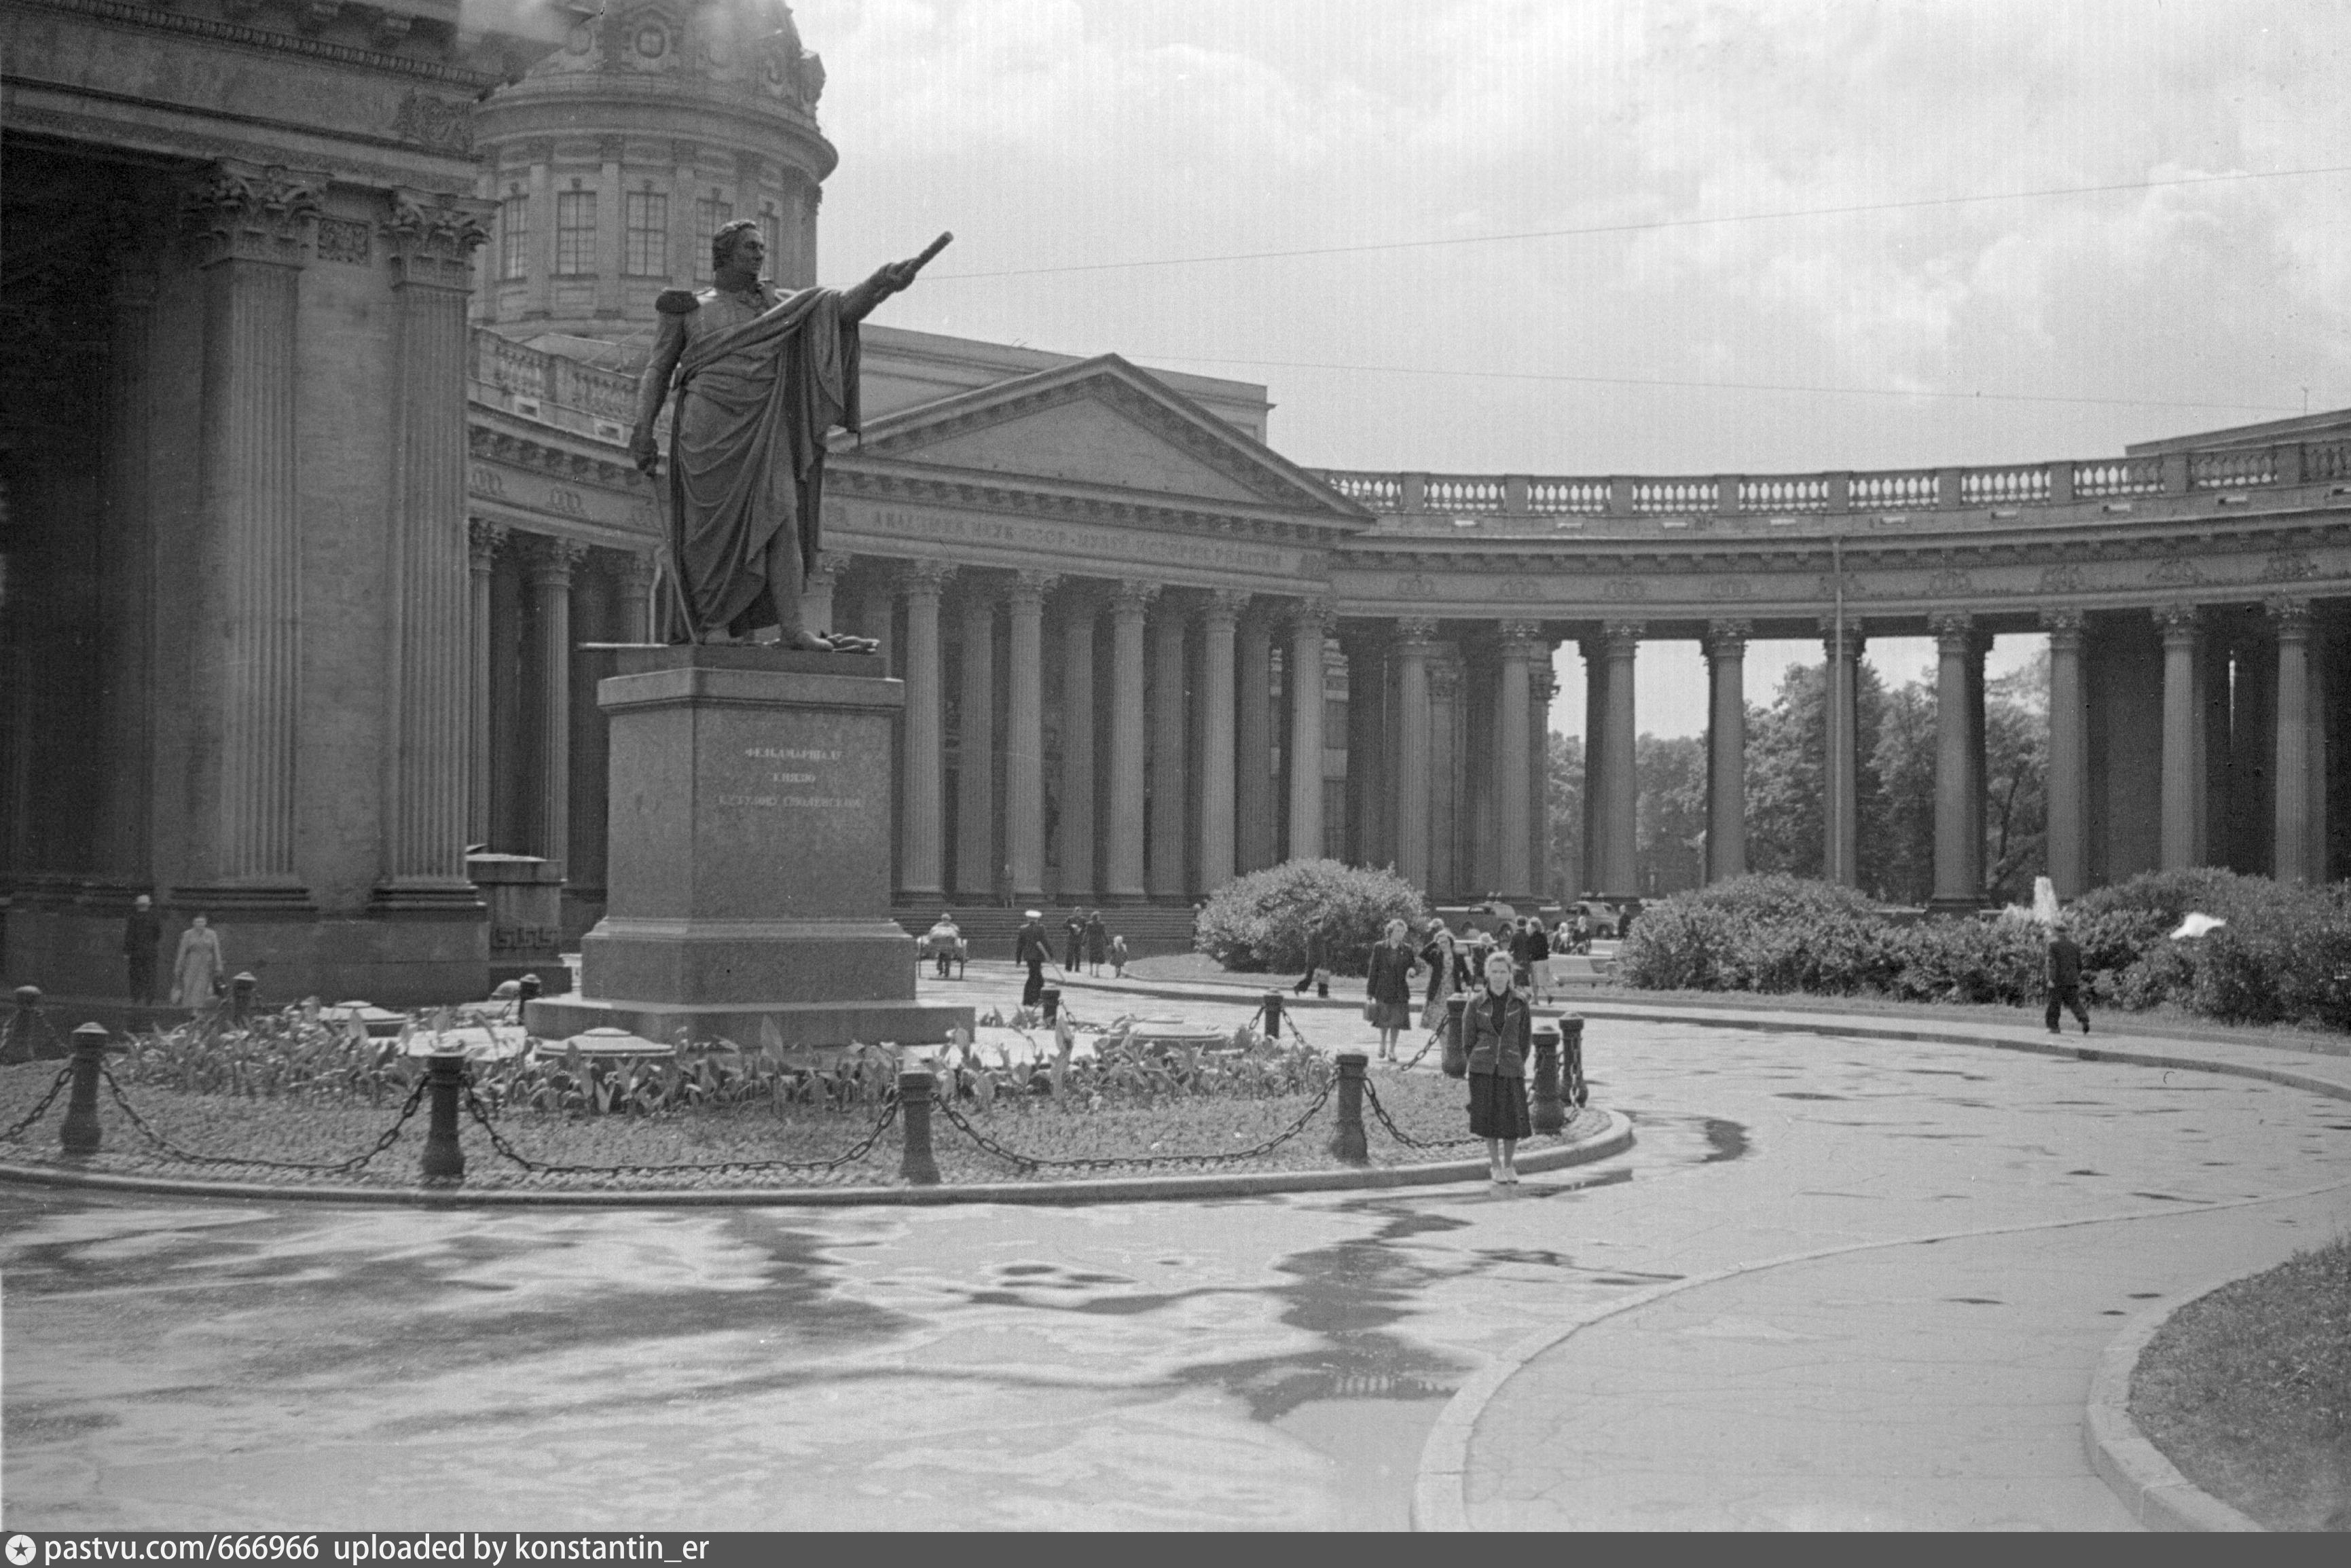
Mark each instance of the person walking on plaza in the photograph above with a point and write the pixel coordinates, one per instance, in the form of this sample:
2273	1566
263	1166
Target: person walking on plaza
1033	947
142	933
196	968
1387	988
1498	1030
1097	942
1118	957
1538	962
1318	965
1444	962
1075	929
2062	977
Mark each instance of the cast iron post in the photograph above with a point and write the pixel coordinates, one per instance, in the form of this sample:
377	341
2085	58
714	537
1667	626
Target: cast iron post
1050	998
1574	1091
1270	1010
79	1133
23	1042
916	1164
528	988
445	1074
1549	1117
240	997
1456	1006
1347	1145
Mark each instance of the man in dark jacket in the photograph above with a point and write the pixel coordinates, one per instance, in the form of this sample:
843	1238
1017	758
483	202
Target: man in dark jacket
1074	948
2063	973
1034	949
142	929
1318	965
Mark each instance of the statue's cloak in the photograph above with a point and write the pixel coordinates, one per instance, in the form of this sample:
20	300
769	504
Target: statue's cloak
747	450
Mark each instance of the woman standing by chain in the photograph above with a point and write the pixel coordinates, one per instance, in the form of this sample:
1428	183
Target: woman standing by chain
1498	1028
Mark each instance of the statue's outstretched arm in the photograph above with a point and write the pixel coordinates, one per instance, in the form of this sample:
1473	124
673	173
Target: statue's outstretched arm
652	387
887	279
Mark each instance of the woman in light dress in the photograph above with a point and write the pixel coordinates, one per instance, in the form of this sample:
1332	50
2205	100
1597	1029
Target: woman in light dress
196	969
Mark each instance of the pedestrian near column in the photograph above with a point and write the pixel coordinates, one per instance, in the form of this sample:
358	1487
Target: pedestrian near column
1318	965
196	968
944	938
142	933
1118	957
1074	927
1498	1030
1444	963
1034	949
1097	942
1538	981
1387	987
2062	975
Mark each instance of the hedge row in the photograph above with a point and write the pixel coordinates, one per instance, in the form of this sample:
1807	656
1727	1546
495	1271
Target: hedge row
2284	955
1259	923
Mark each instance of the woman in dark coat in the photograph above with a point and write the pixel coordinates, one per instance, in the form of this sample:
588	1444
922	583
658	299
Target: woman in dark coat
1097	942
1388	985
1497	1032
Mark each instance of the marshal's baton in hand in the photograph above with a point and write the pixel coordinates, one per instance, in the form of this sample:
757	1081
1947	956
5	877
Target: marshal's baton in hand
929	251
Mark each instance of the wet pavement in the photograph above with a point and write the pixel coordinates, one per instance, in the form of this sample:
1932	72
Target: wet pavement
1258	1363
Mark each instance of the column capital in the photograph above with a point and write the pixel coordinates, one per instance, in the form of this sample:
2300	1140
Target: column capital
1542	682
634	571
1621	637
550	561
1417	629
432	238
927	576
1954	630
1225	606
830	565
2289	614
485	540
1852	633
1313	615
1523	638
1029	588
1728	639
2064	628
1133	597
2181	624
244	212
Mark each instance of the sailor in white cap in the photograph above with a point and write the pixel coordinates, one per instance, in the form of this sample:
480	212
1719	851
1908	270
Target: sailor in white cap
1034	949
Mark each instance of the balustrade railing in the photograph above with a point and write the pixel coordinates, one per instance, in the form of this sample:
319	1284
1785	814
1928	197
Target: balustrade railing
1664	498
558	391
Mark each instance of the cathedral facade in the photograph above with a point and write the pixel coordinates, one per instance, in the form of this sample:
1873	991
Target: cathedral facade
318	510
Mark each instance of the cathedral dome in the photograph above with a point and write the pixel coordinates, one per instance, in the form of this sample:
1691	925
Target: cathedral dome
614	159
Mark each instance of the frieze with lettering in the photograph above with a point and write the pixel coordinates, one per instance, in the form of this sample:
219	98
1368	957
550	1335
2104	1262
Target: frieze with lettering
1065	541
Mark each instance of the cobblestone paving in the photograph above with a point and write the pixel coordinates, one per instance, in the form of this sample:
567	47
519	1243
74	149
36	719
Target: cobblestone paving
1271	1362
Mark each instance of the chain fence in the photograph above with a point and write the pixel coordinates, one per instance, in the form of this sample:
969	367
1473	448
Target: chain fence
65	1076
350	1167
1113	1162
1371	1098
483	1115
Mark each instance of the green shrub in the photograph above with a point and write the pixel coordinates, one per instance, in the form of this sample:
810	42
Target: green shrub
1257	924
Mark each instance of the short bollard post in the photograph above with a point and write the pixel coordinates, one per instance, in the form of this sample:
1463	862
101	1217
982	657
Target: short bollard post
444	1076
1347	1143
1455	1009
240	997
918	1165
1270	1009
528	988
1050	998
22	1042
1549	1115
1572	1085
79	1133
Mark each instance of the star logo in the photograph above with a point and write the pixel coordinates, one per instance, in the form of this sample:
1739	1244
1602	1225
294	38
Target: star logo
20	1549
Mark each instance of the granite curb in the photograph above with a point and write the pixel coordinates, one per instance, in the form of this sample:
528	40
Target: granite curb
1437	1501
1610	1134
2132	1467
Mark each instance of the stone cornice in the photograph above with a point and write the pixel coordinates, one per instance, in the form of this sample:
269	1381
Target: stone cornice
154	18
581	461
853	473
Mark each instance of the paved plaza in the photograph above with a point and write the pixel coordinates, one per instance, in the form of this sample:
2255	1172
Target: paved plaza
1278	1363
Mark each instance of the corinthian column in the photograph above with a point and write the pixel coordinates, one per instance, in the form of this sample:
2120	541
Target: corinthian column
2183	737
127	583
1620	871
1958	825
1725	750
1309	626
1840	811
816	591
920	828
634	585
1122	878
1078	615
2291	859
1541	685
1168	773
549	567
2069	756
1024	744
429	688
1253	744
1217	624
976	747
253	232
483	541
1415	646
1522	644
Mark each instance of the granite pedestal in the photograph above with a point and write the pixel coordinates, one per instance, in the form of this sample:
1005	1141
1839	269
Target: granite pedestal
748	882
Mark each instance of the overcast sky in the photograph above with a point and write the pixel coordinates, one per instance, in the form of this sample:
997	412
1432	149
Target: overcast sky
1077	133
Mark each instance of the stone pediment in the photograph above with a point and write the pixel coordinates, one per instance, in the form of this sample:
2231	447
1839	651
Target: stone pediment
1104	423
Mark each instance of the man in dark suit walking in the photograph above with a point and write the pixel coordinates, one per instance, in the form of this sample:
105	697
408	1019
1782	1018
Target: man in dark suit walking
2062	975
1035	948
